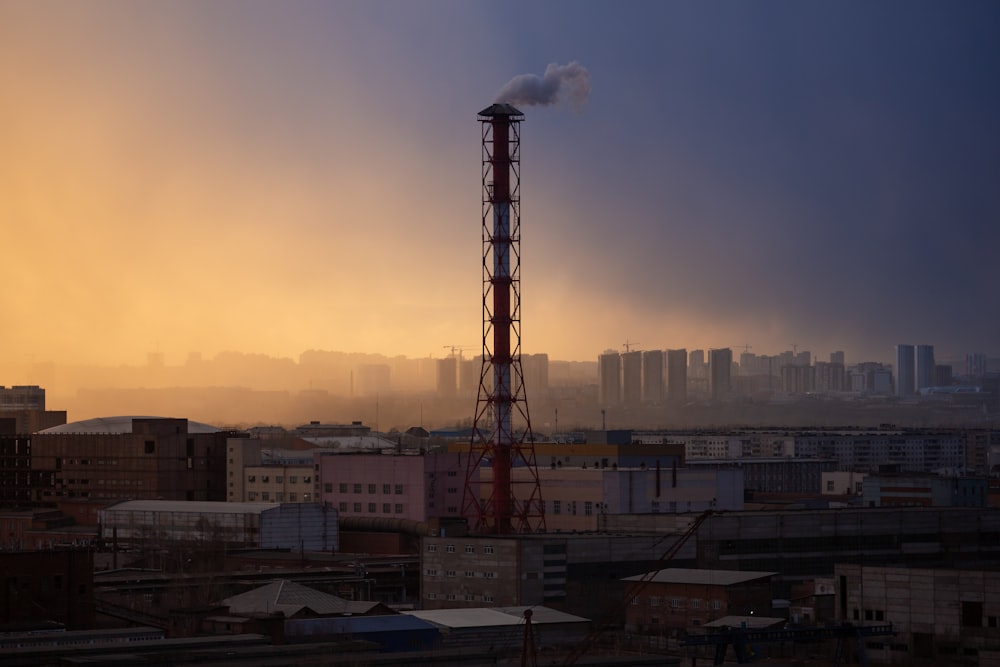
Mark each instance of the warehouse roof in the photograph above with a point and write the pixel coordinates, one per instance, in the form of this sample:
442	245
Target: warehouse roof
680	575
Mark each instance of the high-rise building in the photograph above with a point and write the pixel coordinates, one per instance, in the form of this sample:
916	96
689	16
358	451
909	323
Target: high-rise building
653	365
447	377
720	363
632	377
905	376
838	358
609	368
925	366
696	364
677	376
975	364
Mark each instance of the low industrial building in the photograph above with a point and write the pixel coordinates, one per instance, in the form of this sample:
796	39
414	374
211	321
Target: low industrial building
924	490
666	603
296	526
941	615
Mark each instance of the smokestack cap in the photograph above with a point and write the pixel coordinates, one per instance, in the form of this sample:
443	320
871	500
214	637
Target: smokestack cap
501	109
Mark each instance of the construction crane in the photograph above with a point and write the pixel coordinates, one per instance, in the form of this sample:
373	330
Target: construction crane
636	587
458	349
629	345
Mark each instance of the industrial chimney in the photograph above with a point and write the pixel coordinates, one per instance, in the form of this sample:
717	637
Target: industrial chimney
501	434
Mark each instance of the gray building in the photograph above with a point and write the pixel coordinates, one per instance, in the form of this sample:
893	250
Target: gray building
296	526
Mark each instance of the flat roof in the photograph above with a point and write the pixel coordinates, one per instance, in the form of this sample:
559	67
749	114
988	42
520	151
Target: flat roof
485	617
683	575
214	506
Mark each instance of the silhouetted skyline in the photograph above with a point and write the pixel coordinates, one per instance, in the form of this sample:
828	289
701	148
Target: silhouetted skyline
185	177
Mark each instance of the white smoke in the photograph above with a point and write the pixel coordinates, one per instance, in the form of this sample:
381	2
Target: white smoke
571	81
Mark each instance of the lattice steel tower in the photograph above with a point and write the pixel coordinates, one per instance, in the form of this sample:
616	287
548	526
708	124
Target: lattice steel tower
501	434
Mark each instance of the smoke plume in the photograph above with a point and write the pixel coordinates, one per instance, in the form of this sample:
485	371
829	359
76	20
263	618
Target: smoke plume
571	81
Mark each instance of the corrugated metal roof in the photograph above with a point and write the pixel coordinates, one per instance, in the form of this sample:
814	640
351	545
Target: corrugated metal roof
485	617
500	109
680	575
290	598
205	506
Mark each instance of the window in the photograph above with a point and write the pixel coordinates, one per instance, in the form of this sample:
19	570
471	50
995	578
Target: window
470	573
431	548
306	497
469	597
432	573
293	497
449	596
490	575
357	488
654	601
449	573
452	489
829	485
279	497
265	495
343	487
588	508
387	489
150	448
293	479
399	489
557	507
280	479
452	473
487	597
399	508
328	487
265	479
372	507
695	603
307	480
343	506
654	506
252	478
717	604
371	488
469	549
450	548
357	507
488	549
635	601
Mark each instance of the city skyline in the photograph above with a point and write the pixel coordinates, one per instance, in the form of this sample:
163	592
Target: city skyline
183	177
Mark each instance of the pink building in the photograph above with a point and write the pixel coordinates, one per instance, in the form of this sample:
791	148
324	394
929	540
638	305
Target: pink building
391	485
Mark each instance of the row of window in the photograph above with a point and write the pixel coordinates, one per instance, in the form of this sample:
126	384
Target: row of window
279	497
677	602
387	508
343	487
469	548
557	507
470	574
280	479
468	597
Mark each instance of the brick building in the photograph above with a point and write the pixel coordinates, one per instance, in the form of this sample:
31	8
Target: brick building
671	601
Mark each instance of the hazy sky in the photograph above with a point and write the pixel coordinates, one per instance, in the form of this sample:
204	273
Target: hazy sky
279	176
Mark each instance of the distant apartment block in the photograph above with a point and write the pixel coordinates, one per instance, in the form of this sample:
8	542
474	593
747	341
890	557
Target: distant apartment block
609	367
905	370
631	378
653	385
925	374
677	379
720	370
